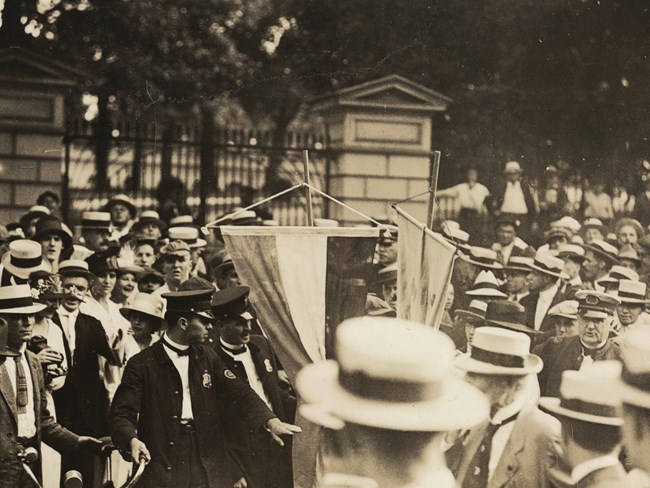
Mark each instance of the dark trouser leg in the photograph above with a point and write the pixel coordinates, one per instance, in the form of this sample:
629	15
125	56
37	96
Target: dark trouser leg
189	472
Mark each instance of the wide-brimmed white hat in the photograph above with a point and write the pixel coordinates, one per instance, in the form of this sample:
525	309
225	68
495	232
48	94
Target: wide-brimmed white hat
189	235
482	257
581	397
633	386
512	167
497	351
24	257
546	263
147	304
17	299
392	374
632	292
486	285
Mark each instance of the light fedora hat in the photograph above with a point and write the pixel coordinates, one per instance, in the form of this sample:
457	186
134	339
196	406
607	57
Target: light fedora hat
147	304
546	263
482	257
633	292
24	257
412	388
497	351
633	386
486	285
582	397
18	299
189	235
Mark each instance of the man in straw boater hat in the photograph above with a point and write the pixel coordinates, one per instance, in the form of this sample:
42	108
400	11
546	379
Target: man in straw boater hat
149	226
123	213
466	321
600	256
630	312
516	277
167	409
467	268
95	230
591	428
485	288
25	420
546	271
23	258
385	420
593	343
518	444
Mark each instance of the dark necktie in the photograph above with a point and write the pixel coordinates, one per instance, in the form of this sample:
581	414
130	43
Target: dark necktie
594	353
21	385
478	470
177	350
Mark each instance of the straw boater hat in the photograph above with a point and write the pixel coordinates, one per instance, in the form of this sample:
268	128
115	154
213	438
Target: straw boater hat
569	223
633	386
24	257
387	274
411	389
632	292
75	267
17	299
519	263
147	304
244	217
603	250
573	252
149	217
50	225
181	221
501	352
595	223
457	237
486	285
482	257
95	220
546	263
508	315
189	235
512	167
475	312
618	273
581	396
124	200
567	309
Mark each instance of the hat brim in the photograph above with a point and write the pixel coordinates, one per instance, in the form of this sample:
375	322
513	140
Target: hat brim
560	274
65	237
486	292
157	222
23	273
552	405
468	259
458	406
30	309
520	269
574	257
532	365
601	253
83	274
125	313
132	209
135	270
630	395
633	301
467	315
513	326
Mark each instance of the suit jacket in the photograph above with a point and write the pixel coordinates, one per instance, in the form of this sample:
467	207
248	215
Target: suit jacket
148	405
530	452
82	403
610	477
495	200
265	463
46	427
568	355
530	303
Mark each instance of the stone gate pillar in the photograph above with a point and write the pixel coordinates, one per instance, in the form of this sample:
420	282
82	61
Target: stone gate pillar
381	131
33	91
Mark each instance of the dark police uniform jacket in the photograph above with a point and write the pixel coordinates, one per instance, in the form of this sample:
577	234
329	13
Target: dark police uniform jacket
568	355
266	464
148	405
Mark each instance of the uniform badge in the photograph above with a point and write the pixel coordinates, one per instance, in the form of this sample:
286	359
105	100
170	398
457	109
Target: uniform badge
229	374
267	364
207	380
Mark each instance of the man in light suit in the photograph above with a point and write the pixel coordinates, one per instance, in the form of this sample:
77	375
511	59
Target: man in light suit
519	444
24	417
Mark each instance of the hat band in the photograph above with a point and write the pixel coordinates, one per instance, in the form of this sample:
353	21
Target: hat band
627	294
362	385
546	268
26	263
70	270
16	302
202	306
480	259
95	223
497	358
482	286
588	408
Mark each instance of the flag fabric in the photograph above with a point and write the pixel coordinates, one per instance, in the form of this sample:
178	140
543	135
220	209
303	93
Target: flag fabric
304	281
425	263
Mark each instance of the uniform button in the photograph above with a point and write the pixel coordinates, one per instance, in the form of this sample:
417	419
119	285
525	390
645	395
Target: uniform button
171	443
175	417
9	434
169	468
176	392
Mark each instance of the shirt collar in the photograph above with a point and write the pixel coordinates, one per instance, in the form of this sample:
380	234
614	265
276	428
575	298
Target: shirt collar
584	469
64	312
509	410
175	344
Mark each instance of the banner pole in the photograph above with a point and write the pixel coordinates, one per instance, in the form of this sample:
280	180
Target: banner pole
310	210
433	187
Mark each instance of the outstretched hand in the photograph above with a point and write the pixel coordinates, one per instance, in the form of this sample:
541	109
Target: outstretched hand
277	428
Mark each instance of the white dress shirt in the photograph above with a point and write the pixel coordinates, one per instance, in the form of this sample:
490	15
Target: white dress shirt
468	197
182	365
27	418
502	435
513	199
543	304
246	358
68	321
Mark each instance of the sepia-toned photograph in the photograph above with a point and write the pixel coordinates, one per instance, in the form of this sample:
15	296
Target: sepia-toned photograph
324	244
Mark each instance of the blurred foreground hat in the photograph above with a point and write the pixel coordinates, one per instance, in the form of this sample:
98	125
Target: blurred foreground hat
633	387
17	299
24	257
411	389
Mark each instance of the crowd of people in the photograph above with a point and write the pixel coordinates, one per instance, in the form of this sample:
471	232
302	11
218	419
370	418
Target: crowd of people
136	334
